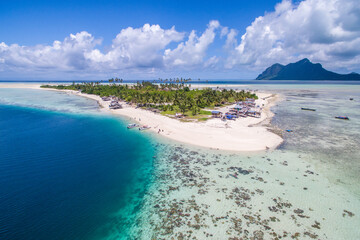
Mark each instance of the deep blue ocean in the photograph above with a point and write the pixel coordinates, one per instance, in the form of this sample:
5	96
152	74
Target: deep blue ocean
69	176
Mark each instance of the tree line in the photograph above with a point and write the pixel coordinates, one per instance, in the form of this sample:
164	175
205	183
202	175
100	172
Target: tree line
164	96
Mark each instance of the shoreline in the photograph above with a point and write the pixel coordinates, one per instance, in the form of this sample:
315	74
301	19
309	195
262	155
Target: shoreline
243	135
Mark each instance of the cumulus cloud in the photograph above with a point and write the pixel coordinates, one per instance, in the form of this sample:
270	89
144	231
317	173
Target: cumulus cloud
327	31
133	48
136	48
68	55
192	52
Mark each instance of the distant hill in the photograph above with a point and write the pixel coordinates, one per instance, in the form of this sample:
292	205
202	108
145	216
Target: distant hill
303	70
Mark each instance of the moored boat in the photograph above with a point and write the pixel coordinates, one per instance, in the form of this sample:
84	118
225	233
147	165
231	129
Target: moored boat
132	125
106	98
308	109
342	117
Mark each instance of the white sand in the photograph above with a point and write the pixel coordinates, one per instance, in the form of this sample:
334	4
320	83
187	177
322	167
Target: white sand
239	135
20	85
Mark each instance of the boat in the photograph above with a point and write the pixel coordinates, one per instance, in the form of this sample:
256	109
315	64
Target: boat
342	117
106	98
234	176
351	99
289	130
308	109
115	105
132	125
144	128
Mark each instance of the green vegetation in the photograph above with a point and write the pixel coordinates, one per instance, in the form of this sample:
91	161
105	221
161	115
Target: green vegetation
169	98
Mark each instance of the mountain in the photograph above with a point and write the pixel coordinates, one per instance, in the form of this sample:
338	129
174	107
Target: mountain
303	70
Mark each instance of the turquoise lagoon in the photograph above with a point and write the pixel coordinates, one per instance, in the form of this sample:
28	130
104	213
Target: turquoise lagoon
69	172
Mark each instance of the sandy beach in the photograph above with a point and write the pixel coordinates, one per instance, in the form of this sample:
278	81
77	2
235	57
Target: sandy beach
244	134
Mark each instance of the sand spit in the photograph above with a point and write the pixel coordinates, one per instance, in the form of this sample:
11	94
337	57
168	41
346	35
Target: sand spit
20	85
245	134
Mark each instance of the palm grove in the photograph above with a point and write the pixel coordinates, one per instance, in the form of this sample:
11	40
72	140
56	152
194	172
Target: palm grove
167	97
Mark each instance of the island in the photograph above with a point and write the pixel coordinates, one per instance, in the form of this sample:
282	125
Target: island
234	120
303	70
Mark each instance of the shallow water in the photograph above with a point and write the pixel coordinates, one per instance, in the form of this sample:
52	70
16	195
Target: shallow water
103	183
48	100
277	194
333	142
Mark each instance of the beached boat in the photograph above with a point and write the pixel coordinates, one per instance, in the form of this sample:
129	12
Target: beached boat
115	105
106	98
342	117
132	125
255	114
144	128
308	109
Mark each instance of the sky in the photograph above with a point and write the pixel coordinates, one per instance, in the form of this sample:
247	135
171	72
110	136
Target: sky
94	40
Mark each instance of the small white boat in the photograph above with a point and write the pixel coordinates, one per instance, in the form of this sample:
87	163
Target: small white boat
132	125
144	128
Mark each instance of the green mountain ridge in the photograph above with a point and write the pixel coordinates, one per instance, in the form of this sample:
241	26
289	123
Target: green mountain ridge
303	70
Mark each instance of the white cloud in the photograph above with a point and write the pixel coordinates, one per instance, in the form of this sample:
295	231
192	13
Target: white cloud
68	55
327	31
224	31
137	47
211	62
231	39
192	52
133	48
